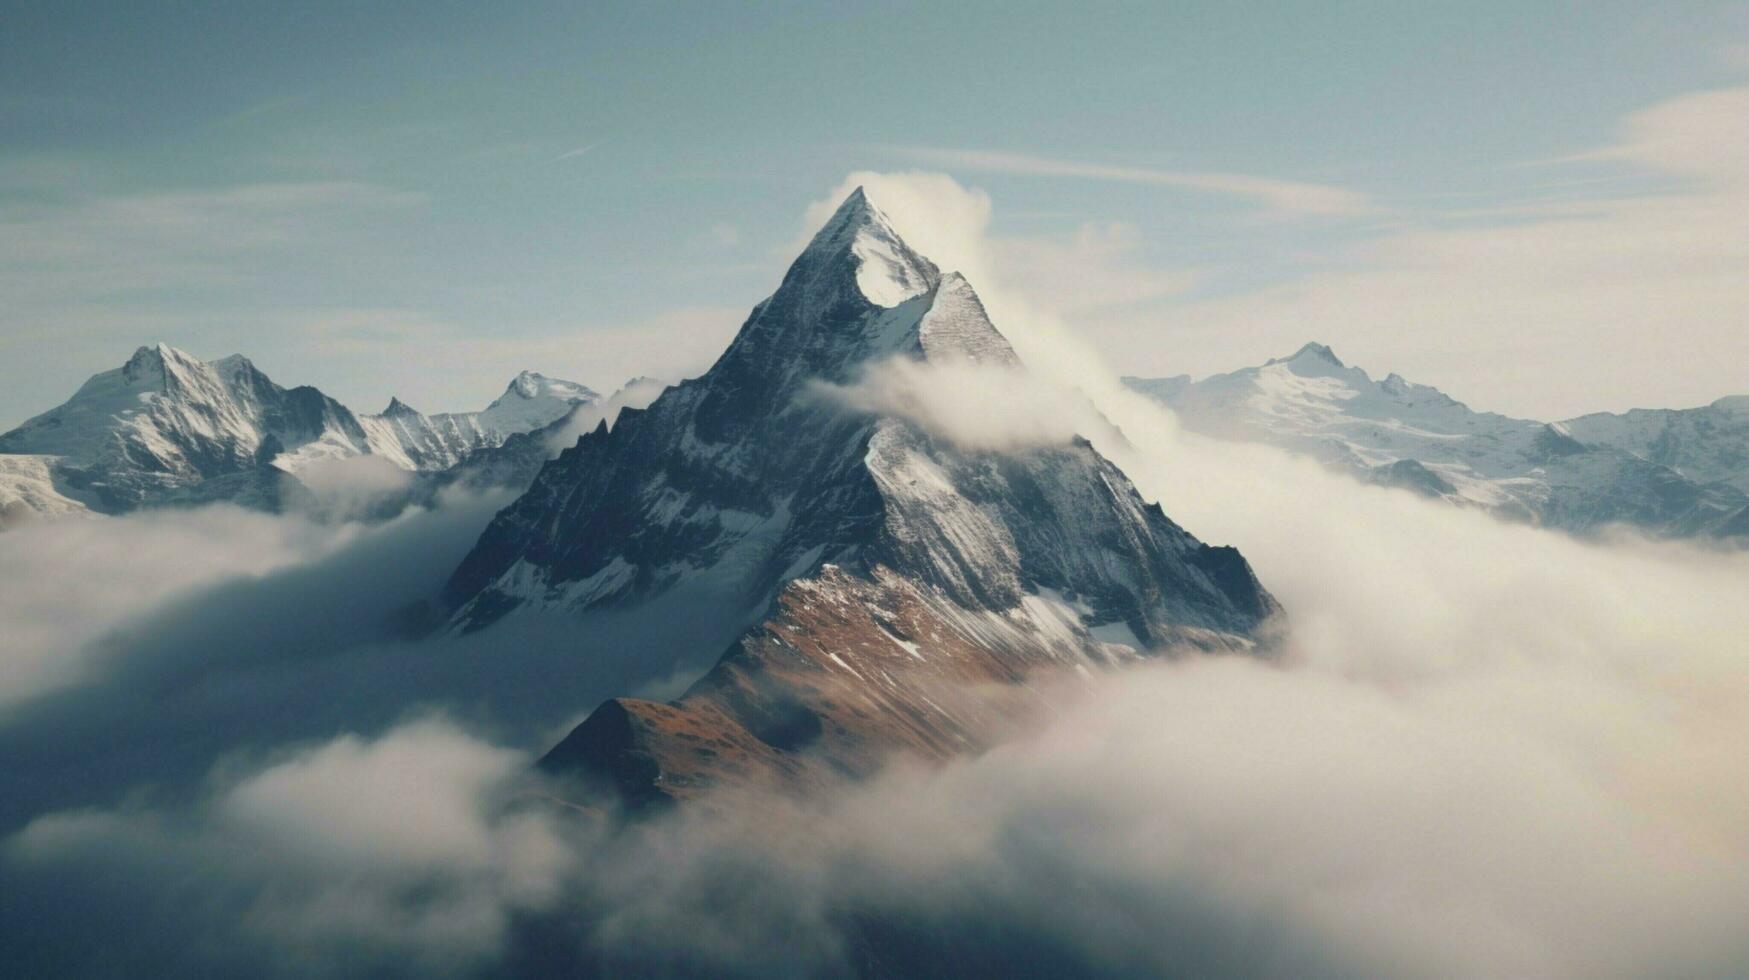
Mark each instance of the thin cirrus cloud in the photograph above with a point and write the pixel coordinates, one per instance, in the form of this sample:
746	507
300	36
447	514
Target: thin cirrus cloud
1285	197
1606	301
134	233
1698	135
1623	289
583	150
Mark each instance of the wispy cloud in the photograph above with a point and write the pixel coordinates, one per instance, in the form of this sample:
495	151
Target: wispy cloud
86	245
1094	267
82	271
1282	196
260	109
579	151
720	235
1605	301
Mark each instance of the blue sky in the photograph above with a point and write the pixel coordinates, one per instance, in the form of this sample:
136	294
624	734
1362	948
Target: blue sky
423	199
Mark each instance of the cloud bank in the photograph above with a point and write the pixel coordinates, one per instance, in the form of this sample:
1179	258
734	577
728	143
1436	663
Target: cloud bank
1490	751
974	407
406	853
66	584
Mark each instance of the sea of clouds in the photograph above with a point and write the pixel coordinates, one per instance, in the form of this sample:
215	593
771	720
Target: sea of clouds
230	744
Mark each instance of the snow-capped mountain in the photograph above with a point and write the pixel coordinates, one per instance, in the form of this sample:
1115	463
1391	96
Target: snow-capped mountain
428	443
1709	444
168	428
884	564
516	461
28	491
1679	473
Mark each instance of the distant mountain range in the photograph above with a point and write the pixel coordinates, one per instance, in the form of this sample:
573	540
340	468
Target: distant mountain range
168	429
1671	472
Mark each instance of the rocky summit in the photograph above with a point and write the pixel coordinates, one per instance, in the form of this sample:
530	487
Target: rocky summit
879	588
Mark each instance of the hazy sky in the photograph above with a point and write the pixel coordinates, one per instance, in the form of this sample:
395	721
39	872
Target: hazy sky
1539	207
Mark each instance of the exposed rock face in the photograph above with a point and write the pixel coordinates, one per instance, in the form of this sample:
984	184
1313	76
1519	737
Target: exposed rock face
852	669
886	572
1676	473
514	463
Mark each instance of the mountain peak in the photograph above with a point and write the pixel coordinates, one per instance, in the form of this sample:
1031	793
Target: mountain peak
860	238
149	358
159	364
531	385
855	211
1319	351
231	363
168	352
1312	354
152	354
855	294
957	327
526	384
397	407
856	201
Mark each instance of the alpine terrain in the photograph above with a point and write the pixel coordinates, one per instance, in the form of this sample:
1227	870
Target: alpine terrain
167	428
1678	473
879	588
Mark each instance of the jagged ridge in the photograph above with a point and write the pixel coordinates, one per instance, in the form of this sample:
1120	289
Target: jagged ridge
1677	473
748	489
168	428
